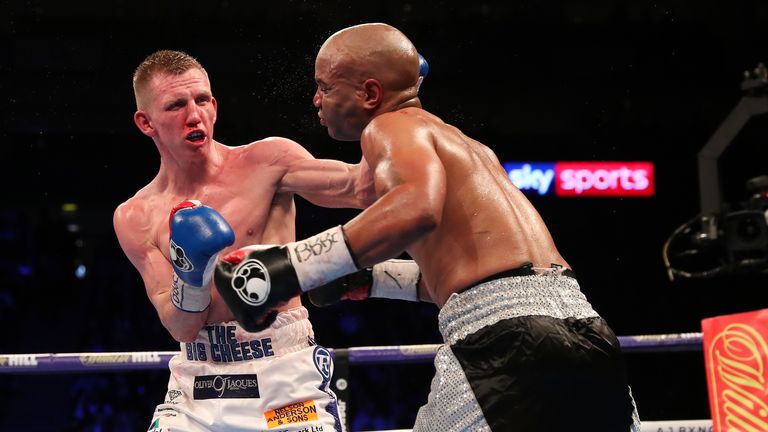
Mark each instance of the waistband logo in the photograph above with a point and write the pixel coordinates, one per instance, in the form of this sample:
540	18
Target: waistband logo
226	387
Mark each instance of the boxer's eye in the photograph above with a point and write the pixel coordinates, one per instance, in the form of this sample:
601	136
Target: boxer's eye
175	105
323	87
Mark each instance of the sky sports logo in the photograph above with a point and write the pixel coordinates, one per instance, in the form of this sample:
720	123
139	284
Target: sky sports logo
583	179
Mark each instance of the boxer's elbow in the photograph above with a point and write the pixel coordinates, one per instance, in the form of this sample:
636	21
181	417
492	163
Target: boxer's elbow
183	326
365	198
183	335
365	194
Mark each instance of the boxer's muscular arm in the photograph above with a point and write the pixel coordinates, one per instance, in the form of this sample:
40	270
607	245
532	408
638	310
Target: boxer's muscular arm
411	182
323	182
132	227
330	183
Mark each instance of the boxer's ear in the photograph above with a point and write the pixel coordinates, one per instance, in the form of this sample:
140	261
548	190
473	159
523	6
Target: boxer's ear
372	92
144	123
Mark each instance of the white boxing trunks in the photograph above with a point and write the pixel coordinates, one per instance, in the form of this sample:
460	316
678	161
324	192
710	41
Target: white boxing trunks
231	380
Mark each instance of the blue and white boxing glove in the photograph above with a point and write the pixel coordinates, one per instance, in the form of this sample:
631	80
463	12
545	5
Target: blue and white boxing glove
423	71
256	280
198	233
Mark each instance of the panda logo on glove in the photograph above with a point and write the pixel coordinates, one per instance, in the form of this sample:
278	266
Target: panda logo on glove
251	282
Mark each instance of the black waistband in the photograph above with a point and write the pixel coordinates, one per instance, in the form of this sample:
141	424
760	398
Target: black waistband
524	270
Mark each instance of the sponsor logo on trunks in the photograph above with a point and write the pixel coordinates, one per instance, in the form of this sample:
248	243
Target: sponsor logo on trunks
172	395
580	179
226	387
165	412
155	426
225	348
18	360
251	282
294	413
323	362
179	258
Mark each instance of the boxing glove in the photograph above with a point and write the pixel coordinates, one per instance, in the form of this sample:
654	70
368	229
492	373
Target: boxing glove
392	279
197	234
255	281
423	71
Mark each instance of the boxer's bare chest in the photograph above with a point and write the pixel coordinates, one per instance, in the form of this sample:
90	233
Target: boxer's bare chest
245	200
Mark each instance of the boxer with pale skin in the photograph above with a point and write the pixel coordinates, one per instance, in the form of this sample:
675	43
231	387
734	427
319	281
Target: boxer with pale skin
252	187
519	334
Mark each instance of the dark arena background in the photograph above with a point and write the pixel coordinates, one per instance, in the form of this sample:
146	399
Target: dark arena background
536	81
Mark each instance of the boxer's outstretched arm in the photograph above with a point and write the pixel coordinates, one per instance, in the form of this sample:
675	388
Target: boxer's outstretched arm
135	237
323	182
330	183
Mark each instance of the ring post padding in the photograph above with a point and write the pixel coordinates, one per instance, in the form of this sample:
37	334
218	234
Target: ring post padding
340	382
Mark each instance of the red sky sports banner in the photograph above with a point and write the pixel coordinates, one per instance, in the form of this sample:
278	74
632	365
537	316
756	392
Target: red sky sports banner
736	357
583	179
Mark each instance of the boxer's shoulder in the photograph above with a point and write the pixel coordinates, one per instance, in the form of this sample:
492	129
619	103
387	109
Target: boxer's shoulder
272	149
142	219
133	211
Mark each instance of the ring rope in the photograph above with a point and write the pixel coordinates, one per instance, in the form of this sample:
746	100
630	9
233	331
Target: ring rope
143	360
703	425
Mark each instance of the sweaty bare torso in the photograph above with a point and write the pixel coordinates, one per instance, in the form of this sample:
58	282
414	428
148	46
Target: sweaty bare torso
487	224
245	194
